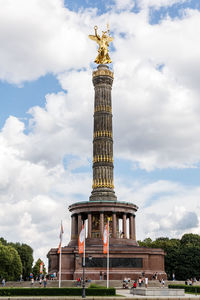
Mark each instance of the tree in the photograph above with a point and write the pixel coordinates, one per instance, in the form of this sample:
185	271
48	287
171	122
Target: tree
26	255
190	239
182	256
36	268
10	263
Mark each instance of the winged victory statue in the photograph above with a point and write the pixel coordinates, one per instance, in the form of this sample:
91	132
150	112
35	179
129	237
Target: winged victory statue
103	42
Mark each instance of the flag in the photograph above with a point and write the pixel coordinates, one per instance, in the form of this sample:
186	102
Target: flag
81	240
105	239
60	236
41	267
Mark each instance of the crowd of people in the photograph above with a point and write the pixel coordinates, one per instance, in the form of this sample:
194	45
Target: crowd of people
142	281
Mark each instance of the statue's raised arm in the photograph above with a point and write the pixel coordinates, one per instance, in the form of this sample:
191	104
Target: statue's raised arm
103	42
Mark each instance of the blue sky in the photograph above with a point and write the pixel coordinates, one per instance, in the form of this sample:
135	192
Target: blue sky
47	106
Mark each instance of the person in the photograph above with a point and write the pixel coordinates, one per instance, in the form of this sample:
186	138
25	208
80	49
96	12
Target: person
146	282
45	282
101	277
140	282
125	283
20	278
135	284
3	282
78	281
40	281
173	277
163	282
32	281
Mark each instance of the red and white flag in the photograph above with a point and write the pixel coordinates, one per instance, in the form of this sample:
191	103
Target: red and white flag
41	267
81	240
105	239
61	236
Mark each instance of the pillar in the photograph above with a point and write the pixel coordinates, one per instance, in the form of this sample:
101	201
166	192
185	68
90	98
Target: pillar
73	227
114	226
79	223
103	186
131	227
89	225
134	232
101	223
124	227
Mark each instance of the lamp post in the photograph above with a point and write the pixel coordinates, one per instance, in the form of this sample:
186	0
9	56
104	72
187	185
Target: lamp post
83	290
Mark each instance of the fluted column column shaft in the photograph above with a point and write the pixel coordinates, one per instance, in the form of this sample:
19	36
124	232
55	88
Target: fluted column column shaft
89	225
73	226
80	223
131	229
134	231
124	227
114	225
101	223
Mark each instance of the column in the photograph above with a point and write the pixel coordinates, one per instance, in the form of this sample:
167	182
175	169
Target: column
73	227
79	223
89	225
124	226
131	227
114	225
101	223
134	233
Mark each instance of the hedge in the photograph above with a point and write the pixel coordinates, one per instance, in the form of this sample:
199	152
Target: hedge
195	289
56	292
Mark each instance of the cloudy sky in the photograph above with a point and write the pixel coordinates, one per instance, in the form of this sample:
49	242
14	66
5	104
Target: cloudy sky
46	114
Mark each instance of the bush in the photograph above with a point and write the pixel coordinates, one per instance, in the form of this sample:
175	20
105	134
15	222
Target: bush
56	292
195	289
95	286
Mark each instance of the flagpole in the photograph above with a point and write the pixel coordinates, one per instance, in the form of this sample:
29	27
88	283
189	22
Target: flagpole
60	248
108	258
83	291
60	266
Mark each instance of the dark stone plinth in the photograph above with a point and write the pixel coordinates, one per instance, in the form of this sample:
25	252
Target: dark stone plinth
142	260
103	195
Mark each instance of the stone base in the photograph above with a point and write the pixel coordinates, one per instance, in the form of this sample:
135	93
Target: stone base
125	261
157	292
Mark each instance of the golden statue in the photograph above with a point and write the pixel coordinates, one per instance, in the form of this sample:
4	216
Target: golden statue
103	42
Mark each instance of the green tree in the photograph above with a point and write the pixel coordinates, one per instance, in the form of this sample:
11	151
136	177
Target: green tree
26	255
10	263
146	243
188	263
190	239
36	268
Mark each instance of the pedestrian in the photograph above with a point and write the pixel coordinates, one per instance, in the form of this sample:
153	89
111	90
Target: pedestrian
140	282
32	281
146	282
45	282
40	281
135	284
3	282
163	282
173	276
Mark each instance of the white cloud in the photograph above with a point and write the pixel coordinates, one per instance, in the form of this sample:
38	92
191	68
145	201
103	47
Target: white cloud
165	208
124	4
38	37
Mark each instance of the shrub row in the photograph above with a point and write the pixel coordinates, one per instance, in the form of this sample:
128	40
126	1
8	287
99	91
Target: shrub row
56	291
188	288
